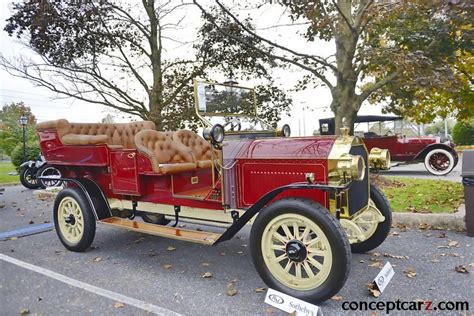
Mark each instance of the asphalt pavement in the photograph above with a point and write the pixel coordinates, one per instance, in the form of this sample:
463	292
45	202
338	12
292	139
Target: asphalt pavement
168	274
418	170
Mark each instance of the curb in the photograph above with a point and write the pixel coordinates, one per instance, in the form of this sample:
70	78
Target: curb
9	184
452	221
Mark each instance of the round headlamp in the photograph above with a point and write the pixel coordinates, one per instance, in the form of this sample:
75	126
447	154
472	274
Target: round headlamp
217	133
286	130
379	159
352	167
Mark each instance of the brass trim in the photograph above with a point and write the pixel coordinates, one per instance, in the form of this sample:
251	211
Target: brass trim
194	180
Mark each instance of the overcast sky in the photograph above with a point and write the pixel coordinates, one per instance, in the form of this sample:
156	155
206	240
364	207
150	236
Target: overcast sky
43	105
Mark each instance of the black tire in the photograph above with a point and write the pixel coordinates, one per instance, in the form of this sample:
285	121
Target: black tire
28	178
89	225
332	230
383	228
155	218
48	170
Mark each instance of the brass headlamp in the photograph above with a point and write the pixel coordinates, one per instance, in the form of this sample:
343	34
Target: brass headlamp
351	167
379	159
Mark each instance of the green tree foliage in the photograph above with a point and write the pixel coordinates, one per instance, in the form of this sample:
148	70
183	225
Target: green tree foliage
463	133
11	132
398	52
32	152
122	55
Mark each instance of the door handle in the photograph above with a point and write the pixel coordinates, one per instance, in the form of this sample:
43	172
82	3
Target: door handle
131	155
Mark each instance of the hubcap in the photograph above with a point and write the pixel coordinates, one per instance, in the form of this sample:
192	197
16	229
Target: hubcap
296	251
70	219
439	162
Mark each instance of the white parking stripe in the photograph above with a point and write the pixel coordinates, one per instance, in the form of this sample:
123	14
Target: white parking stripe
91	288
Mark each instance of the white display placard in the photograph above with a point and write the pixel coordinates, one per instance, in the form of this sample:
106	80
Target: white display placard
383	278
290	304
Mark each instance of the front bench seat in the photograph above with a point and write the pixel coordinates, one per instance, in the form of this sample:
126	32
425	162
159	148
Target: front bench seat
165	154
201	148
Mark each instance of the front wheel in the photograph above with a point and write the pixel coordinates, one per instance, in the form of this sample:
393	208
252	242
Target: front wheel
28	177
439	162
299	249
74	219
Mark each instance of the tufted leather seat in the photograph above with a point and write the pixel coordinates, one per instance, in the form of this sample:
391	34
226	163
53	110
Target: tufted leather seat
201	148
114	135
166	154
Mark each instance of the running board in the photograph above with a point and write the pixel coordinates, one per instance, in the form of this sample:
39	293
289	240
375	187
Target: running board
205	238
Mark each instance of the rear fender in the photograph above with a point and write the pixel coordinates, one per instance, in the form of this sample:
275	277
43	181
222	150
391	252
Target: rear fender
94	195
422	154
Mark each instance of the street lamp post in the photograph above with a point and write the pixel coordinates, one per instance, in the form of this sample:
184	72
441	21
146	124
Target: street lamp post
23	121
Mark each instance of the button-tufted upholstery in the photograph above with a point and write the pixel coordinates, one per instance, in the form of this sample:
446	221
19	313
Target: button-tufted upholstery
114	135
201	148
166	155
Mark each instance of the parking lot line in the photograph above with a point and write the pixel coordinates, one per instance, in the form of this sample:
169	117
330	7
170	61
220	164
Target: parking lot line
90	288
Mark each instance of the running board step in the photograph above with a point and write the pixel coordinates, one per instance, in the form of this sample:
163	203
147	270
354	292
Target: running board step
205	238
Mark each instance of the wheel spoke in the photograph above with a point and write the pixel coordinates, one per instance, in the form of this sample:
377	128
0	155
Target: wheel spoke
305	234
313	242
315	263
307	268
316	252
276	236
278	247
296	229
280	258
288	266
298	270
287	231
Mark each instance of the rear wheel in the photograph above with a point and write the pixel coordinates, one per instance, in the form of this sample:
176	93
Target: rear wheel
439	162
48	171
298	248
154	218
74	219
28	177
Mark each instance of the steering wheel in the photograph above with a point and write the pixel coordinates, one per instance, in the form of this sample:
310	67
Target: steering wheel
233	125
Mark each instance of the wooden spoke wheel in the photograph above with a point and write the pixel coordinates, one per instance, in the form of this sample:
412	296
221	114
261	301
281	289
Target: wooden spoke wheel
73	219
298	248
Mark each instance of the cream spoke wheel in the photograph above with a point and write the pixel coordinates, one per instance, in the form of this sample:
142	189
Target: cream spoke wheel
289	244
71	222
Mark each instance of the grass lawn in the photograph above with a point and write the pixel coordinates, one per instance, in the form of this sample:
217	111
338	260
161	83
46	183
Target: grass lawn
421	195
5	168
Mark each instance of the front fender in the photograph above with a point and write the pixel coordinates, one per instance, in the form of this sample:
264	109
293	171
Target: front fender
422	154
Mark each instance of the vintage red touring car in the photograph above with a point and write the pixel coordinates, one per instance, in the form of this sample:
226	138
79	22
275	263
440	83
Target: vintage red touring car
308	199
437	153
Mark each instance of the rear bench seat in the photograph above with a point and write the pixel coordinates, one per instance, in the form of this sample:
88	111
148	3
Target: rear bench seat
117	135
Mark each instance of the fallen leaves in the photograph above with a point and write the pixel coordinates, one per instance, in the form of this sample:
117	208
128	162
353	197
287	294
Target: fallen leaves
337	298
205	264
167	266
410	273
139	240
171	248
461	269
231	291
373	290
207	275
395	257
24	311
97	259
119	305
260	290
453	244
442	235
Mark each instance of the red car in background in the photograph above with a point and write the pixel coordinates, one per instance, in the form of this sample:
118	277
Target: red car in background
437	153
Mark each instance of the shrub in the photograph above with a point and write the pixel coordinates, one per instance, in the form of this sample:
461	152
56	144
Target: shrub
32	152
463	133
